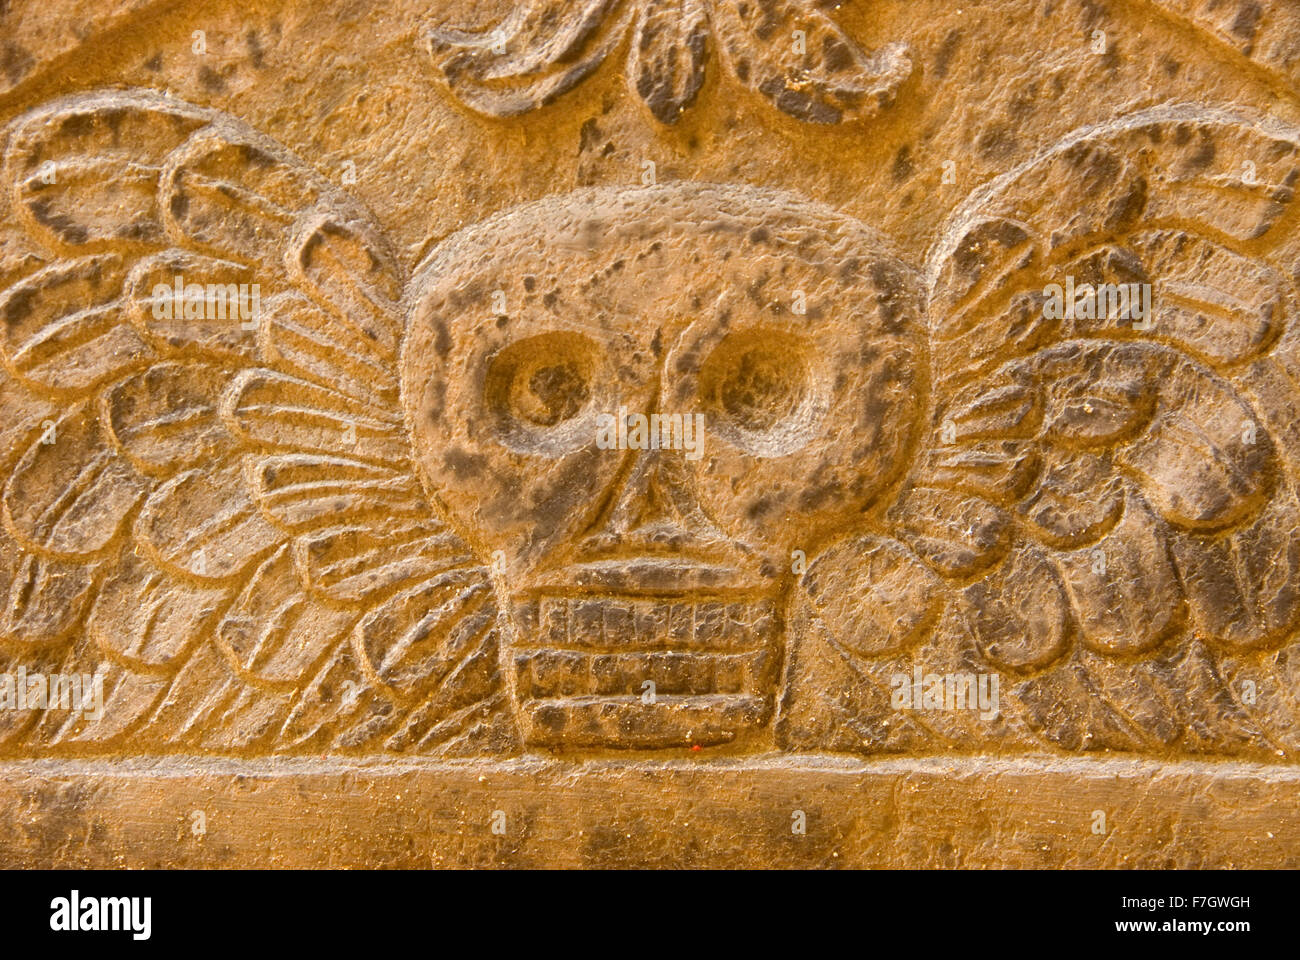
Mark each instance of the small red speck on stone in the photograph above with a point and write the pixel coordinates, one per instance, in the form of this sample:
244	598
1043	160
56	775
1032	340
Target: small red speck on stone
695	747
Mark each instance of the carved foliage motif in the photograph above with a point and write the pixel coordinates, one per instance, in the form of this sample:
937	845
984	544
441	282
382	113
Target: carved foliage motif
374	516
789	51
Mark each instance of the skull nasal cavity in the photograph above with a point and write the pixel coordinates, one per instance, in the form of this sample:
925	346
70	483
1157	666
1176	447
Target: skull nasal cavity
649	496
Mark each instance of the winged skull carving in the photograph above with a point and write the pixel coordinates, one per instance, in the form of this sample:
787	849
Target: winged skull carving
376	518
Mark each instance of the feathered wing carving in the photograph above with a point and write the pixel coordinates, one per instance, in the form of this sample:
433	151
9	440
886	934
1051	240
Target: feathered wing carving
226	523
1102	514
221	516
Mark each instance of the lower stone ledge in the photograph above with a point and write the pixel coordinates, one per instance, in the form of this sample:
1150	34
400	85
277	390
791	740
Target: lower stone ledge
920	813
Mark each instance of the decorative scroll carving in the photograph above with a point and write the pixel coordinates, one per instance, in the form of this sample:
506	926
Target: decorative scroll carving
789	51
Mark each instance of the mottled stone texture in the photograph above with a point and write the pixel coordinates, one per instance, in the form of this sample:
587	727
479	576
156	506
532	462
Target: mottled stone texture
973	328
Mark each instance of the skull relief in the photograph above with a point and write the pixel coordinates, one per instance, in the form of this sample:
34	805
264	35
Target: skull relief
536	338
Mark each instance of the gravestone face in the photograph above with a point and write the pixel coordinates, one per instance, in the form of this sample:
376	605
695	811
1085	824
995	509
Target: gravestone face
648	433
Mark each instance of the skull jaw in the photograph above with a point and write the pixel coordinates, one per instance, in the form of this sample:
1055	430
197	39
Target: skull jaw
581	665
629	724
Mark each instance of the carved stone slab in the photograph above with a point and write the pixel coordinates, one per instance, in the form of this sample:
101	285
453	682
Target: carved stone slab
585	419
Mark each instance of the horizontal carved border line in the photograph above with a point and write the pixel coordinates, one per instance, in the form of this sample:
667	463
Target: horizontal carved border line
968	812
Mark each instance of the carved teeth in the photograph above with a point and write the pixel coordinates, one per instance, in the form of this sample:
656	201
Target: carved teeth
548	674
581	646
621	624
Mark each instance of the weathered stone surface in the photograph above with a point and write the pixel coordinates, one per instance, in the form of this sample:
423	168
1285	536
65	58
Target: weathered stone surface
333	341
915	814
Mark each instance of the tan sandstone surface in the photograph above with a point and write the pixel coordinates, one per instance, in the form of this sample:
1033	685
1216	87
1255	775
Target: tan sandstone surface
650	433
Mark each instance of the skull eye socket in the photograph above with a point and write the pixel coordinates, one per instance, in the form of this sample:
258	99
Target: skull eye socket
757	386
549	394
541	386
